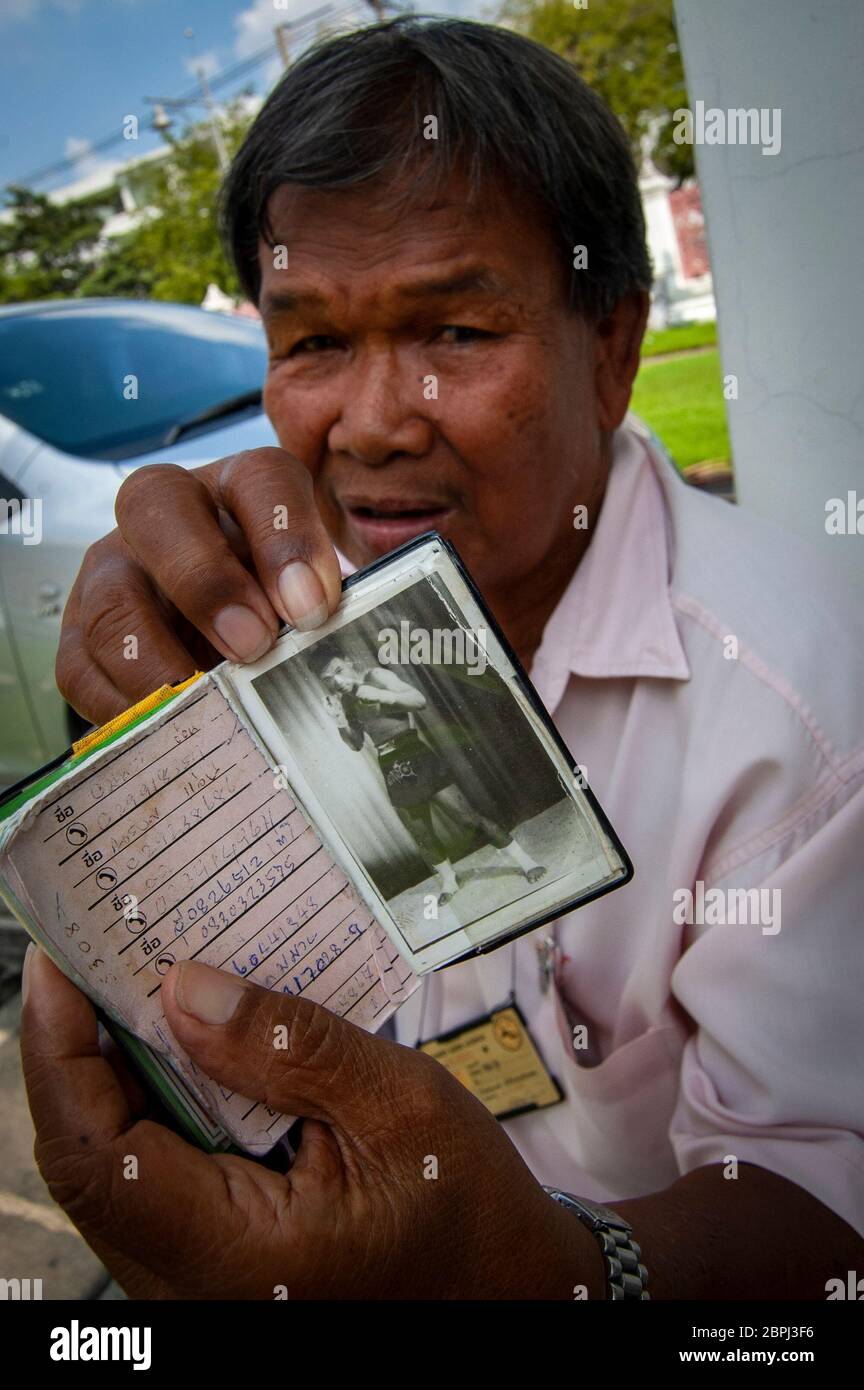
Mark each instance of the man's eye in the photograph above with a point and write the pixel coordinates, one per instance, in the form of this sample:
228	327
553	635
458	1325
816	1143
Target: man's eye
317	343
457	333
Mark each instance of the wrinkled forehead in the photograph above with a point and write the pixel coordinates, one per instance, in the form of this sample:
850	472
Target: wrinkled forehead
382	235
377	204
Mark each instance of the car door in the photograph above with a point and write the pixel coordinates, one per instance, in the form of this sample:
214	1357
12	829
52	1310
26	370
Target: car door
74	502
20	743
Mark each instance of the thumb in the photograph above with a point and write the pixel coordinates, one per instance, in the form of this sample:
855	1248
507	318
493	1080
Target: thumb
295	1056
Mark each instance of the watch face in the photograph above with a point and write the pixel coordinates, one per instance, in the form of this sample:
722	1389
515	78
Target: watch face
592	1213
602	1220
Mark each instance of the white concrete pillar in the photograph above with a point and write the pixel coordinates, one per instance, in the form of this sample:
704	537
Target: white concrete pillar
785	237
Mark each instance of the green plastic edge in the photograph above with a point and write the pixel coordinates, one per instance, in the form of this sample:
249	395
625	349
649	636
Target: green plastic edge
141	1054
49	778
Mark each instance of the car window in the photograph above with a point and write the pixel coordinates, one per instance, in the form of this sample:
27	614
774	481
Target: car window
108	382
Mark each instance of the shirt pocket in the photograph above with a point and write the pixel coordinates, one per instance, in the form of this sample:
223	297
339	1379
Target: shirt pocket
623	1106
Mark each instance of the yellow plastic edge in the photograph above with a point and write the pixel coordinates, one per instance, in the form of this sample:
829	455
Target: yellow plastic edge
121	721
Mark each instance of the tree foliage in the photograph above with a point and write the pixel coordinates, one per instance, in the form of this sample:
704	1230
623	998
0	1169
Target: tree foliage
173	253
627	50
47	249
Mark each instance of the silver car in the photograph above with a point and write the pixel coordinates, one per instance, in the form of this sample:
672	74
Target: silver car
90	390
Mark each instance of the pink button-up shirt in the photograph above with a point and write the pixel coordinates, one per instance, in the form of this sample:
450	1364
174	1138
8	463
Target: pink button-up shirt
702	668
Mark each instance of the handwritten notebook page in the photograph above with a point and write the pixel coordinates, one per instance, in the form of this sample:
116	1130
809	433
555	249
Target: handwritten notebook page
179	845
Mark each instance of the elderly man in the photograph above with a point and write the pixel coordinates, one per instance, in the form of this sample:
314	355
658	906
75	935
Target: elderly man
408	212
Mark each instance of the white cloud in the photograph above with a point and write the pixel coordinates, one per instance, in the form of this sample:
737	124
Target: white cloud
208	61
256	24
255	28
24	10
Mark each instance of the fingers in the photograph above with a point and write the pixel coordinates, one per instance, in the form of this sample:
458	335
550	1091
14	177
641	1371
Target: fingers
294	1055
117	643
174	521
135	1281
169	519
71	1087
207	560
83	685
130	1212
271	498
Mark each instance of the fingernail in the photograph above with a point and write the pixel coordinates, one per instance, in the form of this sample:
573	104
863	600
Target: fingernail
302	596
208	994
243	632
32	948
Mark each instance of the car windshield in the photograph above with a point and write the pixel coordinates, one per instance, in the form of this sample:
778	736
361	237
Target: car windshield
109	381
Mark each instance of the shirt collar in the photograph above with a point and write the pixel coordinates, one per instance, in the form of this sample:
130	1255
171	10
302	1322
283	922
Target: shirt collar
615	617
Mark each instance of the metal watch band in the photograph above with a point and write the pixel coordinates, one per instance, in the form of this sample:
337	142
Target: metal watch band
626	1275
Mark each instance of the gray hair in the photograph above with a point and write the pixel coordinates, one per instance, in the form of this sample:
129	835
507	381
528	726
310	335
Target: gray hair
509	113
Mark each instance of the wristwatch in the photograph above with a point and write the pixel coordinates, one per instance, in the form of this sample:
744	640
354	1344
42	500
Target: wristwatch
625	1273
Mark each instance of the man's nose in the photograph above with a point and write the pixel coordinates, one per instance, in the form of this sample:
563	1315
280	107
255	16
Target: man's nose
383	412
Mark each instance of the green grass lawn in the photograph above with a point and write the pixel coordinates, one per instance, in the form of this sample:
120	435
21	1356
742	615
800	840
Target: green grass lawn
686	335
682	401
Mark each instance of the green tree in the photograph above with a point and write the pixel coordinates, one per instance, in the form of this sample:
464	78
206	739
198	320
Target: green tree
175	251
47	248
627	50
124	270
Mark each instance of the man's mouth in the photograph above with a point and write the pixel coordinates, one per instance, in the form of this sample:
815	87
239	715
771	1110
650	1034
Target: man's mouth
382	524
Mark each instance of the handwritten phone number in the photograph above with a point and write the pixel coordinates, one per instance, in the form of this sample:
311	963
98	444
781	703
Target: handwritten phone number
309	973
254	889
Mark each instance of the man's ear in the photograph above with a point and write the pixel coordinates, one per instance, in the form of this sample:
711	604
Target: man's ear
617	341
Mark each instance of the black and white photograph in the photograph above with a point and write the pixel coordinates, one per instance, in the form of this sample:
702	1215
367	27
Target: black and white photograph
402	727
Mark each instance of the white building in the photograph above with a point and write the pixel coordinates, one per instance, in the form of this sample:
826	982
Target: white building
683	288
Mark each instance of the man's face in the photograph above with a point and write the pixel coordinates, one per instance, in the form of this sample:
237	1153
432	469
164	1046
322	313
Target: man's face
340	676
426	369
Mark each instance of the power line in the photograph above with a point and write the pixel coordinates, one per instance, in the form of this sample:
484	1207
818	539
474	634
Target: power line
298	29
117	137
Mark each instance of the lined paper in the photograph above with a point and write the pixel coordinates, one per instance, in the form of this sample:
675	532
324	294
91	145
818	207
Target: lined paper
181	845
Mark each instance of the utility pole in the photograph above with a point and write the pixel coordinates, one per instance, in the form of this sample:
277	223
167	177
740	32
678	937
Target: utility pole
162	122
211	108
282	44
213	118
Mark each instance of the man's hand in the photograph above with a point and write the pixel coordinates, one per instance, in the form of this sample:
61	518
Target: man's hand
203	565
373	695
358	1216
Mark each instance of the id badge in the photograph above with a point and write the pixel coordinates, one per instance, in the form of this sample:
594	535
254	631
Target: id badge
496	1059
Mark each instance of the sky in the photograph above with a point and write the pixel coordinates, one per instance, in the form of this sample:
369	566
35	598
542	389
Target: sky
72	70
